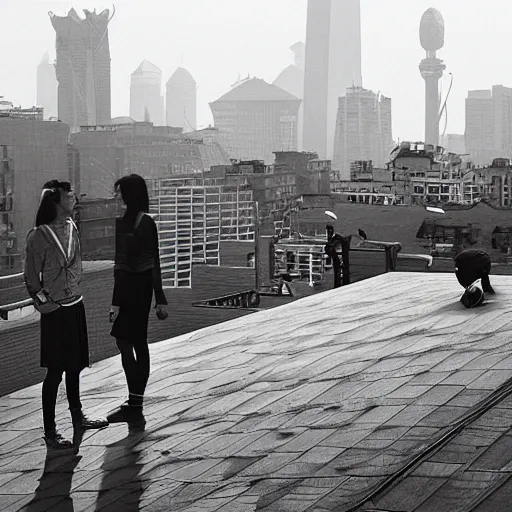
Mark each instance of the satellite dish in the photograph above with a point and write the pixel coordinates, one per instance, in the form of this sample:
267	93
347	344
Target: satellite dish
331	214
434	209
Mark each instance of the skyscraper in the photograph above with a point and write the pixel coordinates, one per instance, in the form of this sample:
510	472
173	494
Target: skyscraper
333	63
47	86
363	130
146	100
291	80
83	68
488	131
255	119
181	100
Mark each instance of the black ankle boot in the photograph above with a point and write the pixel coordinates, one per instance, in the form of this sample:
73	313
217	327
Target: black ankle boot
81	421
126	413
55	441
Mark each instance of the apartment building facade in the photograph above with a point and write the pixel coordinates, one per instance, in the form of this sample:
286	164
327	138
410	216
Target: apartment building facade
124	147
32	151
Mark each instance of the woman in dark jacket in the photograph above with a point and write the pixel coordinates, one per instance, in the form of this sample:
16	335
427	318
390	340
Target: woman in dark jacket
53	270
136	277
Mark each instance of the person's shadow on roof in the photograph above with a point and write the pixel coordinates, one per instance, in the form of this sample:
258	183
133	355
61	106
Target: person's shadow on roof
56	480
121	468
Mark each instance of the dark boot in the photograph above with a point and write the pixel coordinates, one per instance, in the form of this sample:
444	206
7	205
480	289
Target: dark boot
127	413
55	441
81	421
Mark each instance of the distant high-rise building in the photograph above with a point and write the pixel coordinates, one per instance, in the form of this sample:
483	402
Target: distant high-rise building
488	131
256	119
146	100
502	99
291	80
83	68
47	86
332	64
181	101
363	130
454	143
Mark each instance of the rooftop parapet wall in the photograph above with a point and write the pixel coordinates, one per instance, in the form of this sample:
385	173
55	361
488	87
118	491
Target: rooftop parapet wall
19	339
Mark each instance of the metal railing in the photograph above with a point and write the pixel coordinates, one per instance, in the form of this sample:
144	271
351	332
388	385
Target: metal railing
15	306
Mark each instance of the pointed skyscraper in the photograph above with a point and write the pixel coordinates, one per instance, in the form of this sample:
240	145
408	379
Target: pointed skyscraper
333	63
146	100
181	100
47	87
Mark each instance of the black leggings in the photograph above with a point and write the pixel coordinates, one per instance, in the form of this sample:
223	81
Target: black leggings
50	389
135	360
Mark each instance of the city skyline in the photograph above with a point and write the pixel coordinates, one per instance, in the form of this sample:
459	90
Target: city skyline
389	57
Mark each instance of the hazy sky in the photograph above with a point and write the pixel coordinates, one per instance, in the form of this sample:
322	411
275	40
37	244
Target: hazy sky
219	40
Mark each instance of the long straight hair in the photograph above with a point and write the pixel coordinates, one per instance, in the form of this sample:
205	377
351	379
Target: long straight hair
50	198
134	192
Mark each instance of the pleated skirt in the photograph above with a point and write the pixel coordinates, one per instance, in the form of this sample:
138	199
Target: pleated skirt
64	340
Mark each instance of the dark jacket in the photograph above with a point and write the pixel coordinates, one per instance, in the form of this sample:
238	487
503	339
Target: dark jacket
136	252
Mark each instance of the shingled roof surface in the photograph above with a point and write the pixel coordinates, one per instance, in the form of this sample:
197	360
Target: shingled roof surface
383	395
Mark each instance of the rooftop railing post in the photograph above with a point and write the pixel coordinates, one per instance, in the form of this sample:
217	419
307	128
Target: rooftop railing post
256	245
345	255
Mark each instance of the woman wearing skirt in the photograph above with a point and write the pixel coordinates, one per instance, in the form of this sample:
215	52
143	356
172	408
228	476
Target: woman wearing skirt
137	277
52	273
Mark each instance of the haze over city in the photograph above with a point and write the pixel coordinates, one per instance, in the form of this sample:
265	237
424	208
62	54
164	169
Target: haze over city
268	244
218	43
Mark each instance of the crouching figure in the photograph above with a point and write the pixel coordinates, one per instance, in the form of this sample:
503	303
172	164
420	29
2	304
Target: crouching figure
472	269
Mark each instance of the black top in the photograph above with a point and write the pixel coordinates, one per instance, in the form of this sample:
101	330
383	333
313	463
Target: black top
474	259
136	252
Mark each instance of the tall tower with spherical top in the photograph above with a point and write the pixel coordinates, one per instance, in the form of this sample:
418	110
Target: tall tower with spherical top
431	68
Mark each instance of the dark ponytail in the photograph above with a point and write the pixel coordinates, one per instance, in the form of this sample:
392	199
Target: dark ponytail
50	198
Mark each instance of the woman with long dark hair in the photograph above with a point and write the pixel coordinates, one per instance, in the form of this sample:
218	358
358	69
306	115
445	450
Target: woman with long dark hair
53	270
137	277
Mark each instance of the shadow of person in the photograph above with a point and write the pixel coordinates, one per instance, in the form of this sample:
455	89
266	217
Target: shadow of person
121	488
56	480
